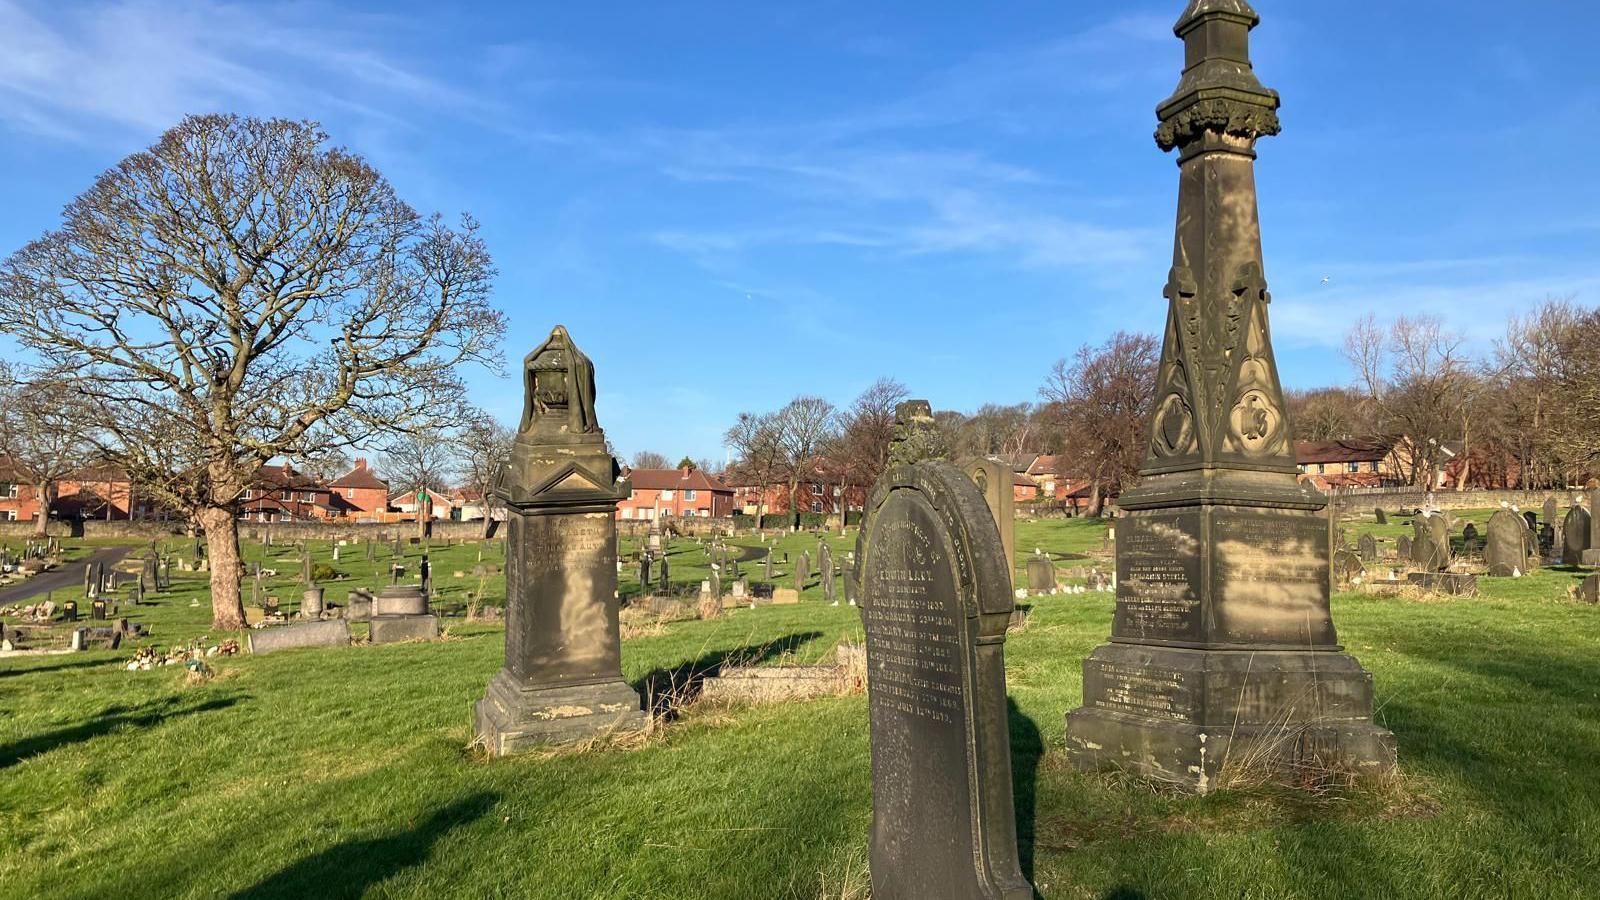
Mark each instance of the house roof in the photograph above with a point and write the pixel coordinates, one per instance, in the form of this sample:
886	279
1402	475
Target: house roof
1047	465
361	476
1346	451
286	476
99	472
1020	480
676	479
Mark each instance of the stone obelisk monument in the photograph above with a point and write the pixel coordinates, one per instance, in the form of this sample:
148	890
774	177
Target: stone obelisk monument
1223	653
562	679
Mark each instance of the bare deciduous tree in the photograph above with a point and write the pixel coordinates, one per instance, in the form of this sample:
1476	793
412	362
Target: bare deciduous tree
1102	403
1421	381
805	426
758	454
483	447
45	431
650	459
242	291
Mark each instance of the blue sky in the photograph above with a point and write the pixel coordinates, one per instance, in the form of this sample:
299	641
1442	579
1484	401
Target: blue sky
729	204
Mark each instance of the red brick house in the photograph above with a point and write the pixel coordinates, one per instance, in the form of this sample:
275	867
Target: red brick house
676	493
1347	463
362	491
282	494
19	499
1023	488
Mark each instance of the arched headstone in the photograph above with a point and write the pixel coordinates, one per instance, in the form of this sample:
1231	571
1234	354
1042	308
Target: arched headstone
935	602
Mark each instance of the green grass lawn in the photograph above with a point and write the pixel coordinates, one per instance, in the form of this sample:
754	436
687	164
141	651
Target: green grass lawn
330	773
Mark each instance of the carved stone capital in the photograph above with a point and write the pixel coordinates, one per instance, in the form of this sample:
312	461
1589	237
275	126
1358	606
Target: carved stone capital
1220	115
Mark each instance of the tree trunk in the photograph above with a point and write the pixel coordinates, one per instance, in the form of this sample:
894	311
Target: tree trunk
222	550
794	508
42	526
1096	500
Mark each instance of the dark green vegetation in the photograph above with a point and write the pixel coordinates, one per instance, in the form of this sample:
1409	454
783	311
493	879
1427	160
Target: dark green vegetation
342	772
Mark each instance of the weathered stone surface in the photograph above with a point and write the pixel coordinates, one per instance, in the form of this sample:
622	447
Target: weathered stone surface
1456	584
1367	548
394	629
1041	575
1589	589
1574	536
785	596
768	684
935	602
400	600
993	479
1381	516
563	674
1549	511
1223	645
332	633
1506	549
1591	559
1346	566
358	605
1402	547
1430	544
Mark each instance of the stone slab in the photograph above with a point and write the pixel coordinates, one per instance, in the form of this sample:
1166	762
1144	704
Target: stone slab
1456	584
332	633
395	629
510	719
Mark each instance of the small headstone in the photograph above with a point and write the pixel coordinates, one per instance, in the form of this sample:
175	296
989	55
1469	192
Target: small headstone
394	629
1041	575
802	571
1403	547
1367	548
1505	548
1381	516
1550	510
1574	536
1469	537
97	609
1346	566
665	585
1531	518
1589	590
785	596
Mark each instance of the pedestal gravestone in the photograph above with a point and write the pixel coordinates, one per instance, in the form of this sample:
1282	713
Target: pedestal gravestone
1574	536
1222	640
935	601
993	479
562	679
1505	550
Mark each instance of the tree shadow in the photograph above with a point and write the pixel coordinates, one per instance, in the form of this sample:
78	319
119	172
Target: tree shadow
1027	747
80	664
147	716
348	869
667	690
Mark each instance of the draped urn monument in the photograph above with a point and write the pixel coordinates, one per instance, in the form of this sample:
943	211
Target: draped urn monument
1223	651
562	680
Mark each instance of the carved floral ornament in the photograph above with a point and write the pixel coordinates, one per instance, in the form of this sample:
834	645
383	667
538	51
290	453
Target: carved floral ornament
1218	115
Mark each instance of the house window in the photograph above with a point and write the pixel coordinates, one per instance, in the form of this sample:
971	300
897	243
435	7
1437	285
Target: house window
1373	467
349	493
690	494
9	515
11	491
666	495
816	506
1355	467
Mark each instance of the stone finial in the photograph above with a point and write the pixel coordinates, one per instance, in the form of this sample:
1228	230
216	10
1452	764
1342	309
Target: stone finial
1218	93
916	434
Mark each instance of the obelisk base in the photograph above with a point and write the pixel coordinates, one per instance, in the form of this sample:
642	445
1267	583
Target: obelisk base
511	719
1199	719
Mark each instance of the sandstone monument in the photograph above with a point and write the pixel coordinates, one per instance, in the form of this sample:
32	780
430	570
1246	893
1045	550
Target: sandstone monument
562	679
1222	646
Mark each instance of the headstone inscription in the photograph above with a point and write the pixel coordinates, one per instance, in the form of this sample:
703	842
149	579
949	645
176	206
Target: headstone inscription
1222	637
935	600
1367	548
993	479
1575	536
1505	549
562	680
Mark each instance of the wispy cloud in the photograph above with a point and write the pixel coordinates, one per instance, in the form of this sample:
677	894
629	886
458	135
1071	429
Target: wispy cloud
139	65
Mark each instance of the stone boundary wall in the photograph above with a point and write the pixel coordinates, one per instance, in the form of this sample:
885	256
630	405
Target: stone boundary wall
281	531
1392	501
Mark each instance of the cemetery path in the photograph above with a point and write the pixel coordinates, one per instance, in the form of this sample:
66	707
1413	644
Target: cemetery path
64	578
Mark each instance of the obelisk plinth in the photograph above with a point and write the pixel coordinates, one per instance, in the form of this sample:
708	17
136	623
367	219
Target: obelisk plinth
562	680
1223	655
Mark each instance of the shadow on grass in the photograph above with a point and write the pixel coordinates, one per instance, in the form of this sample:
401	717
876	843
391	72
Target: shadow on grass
61	667
348	869
667	690
1027	746
147	716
